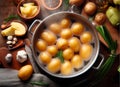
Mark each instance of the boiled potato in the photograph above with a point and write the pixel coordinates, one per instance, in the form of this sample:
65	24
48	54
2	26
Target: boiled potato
65	23
45	57
86	37
55	28
86	51
66	68
68	53
74	44
66	33
62	43
41	45
52	50
77	28
54	65
25	72
49	37
77	62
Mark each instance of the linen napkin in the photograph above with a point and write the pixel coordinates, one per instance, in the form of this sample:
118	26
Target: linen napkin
9	78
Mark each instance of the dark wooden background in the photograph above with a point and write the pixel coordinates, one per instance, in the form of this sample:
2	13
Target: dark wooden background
111	79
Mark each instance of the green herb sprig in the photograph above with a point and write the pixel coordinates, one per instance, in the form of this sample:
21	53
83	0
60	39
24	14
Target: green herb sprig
104	69
60	56
11	17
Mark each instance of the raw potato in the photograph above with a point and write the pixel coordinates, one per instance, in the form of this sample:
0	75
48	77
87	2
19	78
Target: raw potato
25	72
45	57
65	23
20	29
77	28
86	51
86	37
54	65
66	68
77	62
41	45
74	44
68	54
76	2
90	8
66	33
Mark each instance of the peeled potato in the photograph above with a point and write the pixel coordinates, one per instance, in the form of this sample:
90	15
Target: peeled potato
77	62
66	33
74	44
62	43
20	29
65	23
41	45
55	28
45	57
86	51
66	68
8	31
68	53
86	37
25	72
54	65
77	28
52	50
28	4
49	37
28	9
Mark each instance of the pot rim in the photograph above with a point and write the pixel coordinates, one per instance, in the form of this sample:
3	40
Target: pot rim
91	61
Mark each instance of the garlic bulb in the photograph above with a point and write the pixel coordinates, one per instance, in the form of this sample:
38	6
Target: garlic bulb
8	58
21	56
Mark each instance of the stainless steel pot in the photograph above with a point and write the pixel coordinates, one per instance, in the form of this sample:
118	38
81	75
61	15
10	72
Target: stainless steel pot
41	24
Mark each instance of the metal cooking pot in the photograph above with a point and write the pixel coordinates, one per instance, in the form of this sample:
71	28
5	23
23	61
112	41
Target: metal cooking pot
41	24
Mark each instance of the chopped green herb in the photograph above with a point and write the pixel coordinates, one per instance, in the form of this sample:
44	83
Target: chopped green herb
60	56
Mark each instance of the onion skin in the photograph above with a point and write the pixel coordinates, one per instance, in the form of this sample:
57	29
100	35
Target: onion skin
113	15
90	8
76	2
100	18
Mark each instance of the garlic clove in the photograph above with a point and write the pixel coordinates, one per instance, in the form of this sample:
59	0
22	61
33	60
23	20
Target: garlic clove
8	58
21	56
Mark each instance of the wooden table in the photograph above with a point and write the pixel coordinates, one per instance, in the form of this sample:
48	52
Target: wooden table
111	79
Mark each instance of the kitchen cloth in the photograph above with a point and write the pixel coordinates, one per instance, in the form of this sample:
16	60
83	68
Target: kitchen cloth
9	78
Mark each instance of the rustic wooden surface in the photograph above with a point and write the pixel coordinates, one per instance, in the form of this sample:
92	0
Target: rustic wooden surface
7	7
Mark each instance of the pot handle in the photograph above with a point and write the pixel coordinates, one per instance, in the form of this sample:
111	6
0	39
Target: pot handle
75	9
100	61
33	26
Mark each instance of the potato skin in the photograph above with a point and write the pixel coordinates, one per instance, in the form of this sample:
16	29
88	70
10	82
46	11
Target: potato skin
54	65
66	68
45	57
86	51
65	23
25	72
41	45
77	28
86	37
